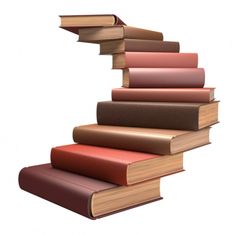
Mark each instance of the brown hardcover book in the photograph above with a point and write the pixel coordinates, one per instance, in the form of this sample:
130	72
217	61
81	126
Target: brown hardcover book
163	115
163	94
89	197
96	35
154	60
163	78
157	141
137	45
117	166
74	23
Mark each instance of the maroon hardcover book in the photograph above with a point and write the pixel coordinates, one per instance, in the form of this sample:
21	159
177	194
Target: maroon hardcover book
163	115
86	196
163	78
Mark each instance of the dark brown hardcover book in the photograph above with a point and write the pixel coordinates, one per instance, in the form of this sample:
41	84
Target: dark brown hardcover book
163	115
96	35
163	77
117	166
163	94
157	141
137	45
154	60
86	196
74	23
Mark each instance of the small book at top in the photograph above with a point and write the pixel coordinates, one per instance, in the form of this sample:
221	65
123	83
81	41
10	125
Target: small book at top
75	22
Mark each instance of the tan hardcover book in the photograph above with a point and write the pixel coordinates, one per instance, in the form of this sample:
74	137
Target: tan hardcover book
157	141
96	35
137	45
74	23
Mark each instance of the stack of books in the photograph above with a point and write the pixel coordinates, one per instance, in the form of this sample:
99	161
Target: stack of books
161	111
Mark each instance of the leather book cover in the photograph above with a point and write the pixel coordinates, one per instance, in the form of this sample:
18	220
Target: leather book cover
154	59
164	77
201	95
162	115
102	163
75	29
66	189
156	141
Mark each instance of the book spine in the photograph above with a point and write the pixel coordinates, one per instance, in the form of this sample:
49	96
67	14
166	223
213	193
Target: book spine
118	21
148	115
156	60
89	166
56	191
164	78
121	140
162	95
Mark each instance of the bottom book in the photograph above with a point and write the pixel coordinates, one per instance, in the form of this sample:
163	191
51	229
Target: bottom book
87	196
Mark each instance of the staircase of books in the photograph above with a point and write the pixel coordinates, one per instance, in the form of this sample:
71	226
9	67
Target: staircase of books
161	111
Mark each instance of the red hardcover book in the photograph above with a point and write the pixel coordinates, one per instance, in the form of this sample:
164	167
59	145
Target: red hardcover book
163	94
155	60
114	165
163	78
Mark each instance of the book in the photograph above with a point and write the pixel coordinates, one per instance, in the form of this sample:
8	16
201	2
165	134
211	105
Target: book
74	23
137	45
157	141
89	197
203	95
117	166
154	60
163	77
96	35
163	115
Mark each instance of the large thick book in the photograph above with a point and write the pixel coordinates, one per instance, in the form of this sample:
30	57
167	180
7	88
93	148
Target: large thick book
117	166
74	23
137	45
162	115
89	197
96	35
154	60
201	95
163	77
157	141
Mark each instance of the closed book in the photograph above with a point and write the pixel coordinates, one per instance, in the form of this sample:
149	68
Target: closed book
163	78
163	115
89	197
74	23
202	95
154	60
157	141
117	166
137	45
96	35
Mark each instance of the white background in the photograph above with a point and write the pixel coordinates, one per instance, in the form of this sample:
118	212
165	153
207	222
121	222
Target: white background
51	83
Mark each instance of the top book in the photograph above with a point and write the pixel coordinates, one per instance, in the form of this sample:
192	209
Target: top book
74	22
